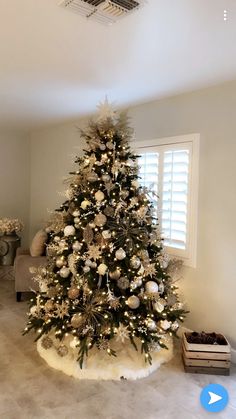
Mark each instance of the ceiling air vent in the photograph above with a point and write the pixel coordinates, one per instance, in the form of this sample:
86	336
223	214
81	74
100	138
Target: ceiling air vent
104	11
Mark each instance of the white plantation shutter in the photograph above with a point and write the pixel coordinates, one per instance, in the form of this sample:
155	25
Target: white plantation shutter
167	169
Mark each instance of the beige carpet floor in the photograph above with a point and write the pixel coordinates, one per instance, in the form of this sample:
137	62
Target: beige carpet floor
30	389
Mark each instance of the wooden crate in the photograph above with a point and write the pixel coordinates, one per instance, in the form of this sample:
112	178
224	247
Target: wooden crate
206	359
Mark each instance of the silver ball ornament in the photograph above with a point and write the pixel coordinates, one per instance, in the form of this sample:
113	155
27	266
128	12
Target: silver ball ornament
76	320
120	254
151	287
115	274
69	230
100	220
76	246
60	262
64	272
133	302
151	324
135	262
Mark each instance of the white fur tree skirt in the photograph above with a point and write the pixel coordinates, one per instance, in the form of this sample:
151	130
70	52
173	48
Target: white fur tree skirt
128	364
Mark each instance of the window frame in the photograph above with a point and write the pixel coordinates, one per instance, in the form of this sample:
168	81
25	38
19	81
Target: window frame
189	256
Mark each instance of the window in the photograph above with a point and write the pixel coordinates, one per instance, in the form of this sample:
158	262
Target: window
169	168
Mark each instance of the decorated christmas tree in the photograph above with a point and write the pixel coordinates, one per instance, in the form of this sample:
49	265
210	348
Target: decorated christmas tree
106	278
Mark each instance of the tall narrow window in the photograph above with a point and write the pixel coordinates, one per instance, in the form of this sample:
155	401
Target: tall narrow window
169	169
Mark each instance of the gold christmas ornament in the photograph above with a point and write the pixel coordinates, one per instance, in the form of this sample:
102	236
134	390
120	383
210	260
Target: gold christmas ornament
99	196
106	234
69	230
88	234
135	262
151	287
76	246
73	293
123	283
76	321
100	220
115	274
158	306
84	204
102	268
49	305
76	213
106	178
60	262
120	254
133	302
92	177
64	272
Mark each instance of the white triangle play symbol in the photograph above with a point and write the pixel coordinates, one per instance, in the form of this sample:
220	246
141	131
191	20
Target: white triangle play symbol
214	397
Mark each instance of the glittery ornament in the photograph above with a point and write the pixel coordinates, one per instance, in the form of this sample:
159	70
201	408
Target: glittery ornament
133	302
99	196
110	145
64	272
88	262
109	211
49	305
100	220
88	234
76	246
60	262
120	254
106	234
57	239
165	325
151	287
76	213
123	283
135	262
102	268
151	324
102	147
77	320
106	178
86	269
76	220
115	274
92	177
158	306
73	293
46	342
62	350
69	230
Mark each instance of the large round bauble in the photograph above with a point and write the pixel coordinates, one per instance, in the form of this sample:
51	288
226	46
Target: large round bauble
100	220
69	230
73	293
133	302
76	320
76	220
86	269
92	177
99	196
151	324
84	204
76	246
64	272
151	287
135	262
76	213
158	306
115	274
88	262
60	262
120	254
102	268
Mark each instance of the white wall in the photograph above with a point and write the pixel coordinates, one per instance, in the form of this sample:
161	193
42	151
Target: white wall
210	289
14	176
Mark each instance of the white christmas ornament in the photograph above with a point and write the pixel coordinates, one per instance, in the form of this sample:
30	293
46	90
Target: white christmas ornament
57	239
84	204
102	268
76	246
64	272
106	178
86	269
106	234
158	306
151	287
120	254
151	324
69	231
133	302
99	196
165	324
60	262
76	220
135	262
76	213
100	220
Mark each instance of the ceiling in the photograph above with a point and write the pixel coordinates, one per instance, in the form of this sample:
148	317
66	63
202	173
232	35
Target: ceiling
56	66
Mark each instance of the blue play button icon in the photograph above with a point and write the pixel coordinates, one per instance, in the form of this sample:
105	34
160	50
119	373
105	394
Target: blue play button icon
214	398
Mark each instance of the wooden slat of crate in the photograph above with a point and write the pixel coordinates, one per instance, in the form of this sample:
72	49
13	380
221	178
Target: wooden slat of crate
207	370
222	356
205	348
206	363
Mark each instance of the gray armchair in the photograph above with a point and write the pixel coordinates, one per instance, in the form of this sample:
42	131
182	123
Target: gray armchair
23	277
